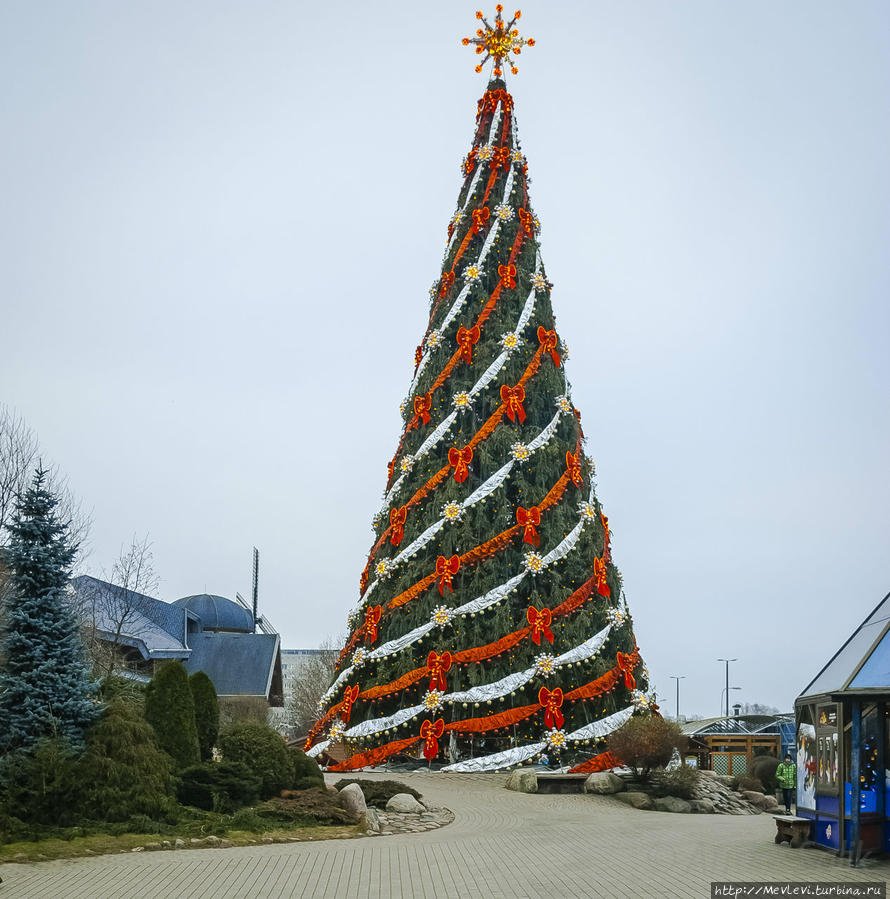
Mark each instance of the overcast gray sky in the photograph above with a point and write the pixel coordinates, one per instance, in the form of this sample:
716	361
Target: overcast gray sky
220	221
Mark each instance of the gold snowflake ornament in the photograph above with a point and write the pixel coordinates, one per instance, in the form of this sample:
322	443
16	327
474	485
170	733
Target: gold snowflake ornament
499	41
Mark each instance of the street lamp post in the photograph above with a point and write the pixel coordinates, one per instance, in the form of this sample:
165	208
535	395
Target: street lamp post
727	681
727	695
678	678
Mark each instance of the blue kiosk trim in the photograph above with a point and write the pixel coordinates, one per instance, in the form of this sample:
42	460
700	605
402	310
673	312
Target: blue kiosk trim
843	742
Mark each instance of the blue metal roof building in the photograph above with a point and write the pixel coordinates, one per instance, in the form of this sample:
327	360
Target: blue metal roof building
205	632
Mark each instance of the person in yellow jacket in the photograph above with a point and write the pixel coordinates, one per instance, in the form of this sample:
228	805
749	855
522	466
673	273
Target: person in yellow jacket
786	775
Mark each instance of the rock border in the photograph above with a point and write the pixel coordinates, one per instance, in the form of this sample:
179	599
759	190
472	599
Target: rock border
714	794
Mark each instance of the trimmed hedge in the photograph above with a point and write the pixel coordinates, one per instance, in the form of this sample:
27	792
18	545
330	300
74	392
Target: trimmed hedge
218	786
306	808
306	773
262	751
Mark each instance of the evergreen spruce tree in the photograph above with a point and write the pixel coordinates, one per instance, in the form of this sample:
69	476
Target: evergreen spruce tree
206	712
45	689
170	710
491	621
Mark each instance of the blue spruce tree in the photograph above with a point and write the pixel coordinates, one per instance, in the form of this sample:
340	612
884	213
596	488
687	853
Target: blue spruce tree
45	689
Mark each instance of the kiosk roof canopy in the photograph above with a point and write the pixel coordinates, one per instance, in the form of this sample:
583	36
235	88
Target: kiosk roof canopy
863	662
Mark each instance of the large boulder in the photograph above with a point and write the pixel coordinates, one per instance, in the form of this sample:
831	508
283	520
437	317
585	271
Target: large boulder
702	806
636	799
672	804
404	804
604	783
760	800
523	781
353	799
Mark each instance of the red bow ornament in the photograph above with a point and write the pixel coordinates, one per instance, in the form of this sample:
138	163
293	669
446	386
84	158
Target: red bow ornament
513	398
460	459
528	221
480	217
529	519
418	355
500	158
390	468
446	283
438	665
507	274
445	571
551	700
540	622
573	468
602	585
549	341
470	161
422	406
466	337
372	619
363	581
626	663
430	732
397	518
350	694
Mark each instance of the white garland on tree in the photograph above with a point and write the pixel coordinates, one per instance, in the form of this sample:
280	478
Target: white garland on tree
492	131
507	759
484	692
487	377
317	749
465	290
474	606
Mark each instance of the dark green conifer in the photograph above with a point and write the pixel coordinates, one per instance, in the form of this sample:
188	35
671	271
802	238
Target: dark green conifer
206	712
45	688
170	710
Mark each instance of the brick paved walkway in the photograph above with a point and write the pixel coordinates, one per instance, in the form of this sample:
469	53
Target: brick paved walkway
501	844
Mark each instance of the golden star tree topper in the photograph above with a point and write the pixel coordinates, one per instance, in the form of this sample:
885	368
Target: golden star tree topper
499	42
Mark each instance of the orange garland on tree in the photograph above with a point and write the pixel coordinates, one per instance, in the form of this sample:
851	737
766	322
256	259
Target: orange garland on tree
373	756
601	685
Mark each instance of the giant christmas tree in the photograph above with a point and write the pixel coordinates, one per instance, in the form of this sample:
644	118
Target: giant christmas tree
491	625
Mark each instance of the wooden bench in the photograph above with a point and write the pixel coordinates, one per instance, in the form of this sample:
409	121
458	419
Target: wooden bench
793	830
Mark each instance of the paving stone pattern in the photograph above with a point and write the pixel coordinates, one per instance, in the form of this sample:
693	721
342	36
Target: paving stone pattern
502	844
